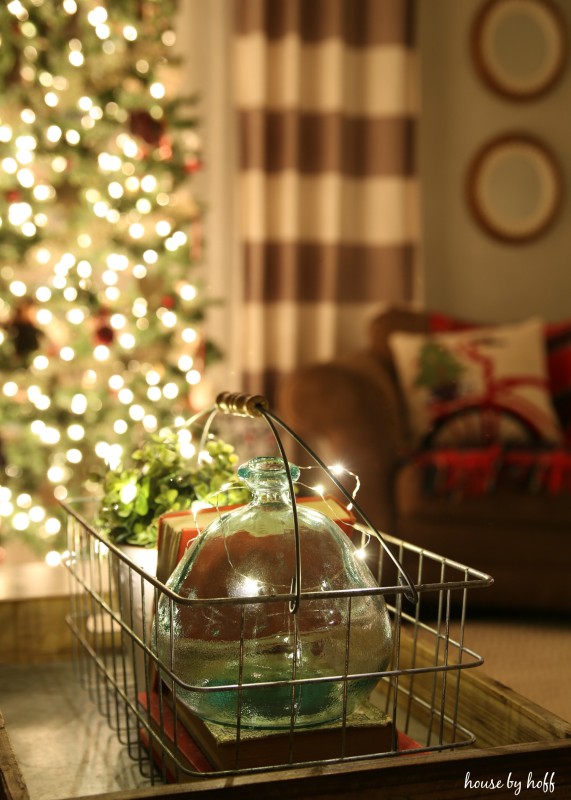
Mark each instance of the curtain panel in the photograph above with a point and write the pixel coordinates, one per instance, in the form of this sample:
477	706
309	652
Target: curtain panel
327	193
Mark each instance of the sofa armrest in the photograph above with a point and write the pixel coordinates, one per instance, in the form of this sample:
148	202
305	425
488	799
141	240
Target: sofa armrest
350	412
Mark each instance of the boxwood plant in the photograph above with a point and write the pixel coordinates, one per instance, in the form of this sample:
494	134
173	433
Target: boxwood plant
160	479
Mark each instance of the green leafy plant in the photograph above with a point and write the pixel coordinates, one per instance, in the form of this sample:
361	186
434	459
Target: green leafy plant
162	479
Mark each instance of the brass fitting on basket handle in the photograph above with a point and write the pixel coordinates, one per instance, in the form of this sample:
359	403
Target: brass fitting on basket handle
241	405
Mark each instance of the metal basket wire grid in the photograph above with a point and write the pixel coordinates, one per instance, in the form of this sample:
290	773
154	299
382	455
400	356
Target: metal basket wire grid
114	601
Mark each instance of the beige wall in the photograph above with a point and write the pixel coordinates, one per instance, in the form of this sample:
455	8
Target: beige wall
466	272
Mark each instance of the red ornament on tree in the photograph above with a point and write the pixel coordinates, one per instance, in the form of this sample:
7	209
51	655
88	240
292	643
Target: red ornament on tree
143	125
193	165
104	334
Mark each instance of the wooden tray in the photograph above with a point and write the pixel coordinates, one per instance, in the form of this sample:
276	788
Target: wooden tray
515	739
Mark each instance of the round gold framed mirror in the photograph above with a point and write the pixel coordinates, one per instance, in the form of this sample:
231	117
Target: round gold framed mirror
519	46
514	187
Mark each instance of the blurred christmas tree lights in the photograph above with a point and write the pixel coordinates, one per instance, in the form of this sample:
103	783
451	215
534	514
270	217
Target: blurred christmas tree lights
100	247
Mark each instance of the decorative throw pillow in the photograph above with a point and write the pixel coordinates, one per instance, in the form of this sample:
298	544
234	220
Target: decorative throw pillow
477	386
557	337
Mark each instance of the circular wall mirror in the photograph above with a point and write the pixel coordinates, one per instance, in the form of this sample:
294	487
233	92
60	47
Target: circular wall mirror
519	46
514	187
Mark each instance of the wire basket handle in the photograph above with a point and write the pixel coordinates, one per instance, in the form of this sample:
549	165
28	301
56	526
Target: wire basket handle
244	405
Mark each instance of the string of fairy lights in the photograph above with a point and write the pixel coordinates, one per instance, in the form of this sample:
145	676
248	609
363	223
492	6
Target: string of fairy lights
99	232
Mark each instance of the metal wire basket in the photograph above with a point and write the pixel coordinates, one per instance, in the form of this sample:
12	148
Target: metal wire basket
413	708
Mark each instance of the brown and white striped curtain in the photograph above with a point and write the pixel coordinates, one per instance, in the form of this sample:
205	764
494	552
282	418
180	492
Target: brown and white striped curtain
327	187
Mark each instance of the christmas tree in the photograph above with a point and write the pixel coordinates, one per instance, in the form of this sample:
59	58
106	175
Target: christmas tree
100	247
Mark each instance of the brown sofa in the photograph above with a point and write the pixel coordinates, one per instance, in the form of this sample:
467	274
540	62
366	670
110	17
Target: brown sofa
352	411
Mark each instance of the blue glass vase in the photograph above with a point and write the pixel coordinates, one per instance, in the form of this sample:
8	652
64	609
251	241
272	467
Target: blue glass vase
250	553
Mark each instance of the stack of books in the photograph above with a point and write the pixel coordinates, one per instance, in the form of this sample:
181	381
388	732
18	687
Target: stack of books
199	746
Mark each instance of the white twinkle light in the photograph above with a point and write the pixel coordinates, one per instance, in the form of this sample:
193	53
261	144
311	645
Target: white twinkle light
125	396
114	455
193	377
163	228
18	288
10	165
170	391
337	469
76	432
56	474
136	412
79	404
157	91
102	450
67	354
54	134
112	294
149	183
37	514
185	363
97	16
53	526
50	435
169	319
75	316
189	335
136	230
118	321
101	352
6	508
76	59
128	493
187	450
187	292
41	362
43	294
53	558
127	341
21	521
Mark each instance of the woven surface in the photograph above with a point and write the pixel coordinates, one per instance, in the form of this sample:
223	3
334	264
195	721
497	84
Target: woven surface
531	657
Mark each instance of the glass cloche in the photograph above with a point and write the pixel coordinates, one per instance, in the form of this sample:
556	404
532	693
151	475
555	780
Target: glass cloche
250	552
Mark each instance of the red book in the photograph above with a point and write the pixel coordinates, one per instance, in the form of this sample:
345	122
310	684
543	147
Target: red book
158	739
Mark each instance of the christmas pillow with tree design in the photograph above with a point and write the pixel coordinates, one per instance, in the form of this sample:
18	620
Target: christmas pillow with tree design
477	386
